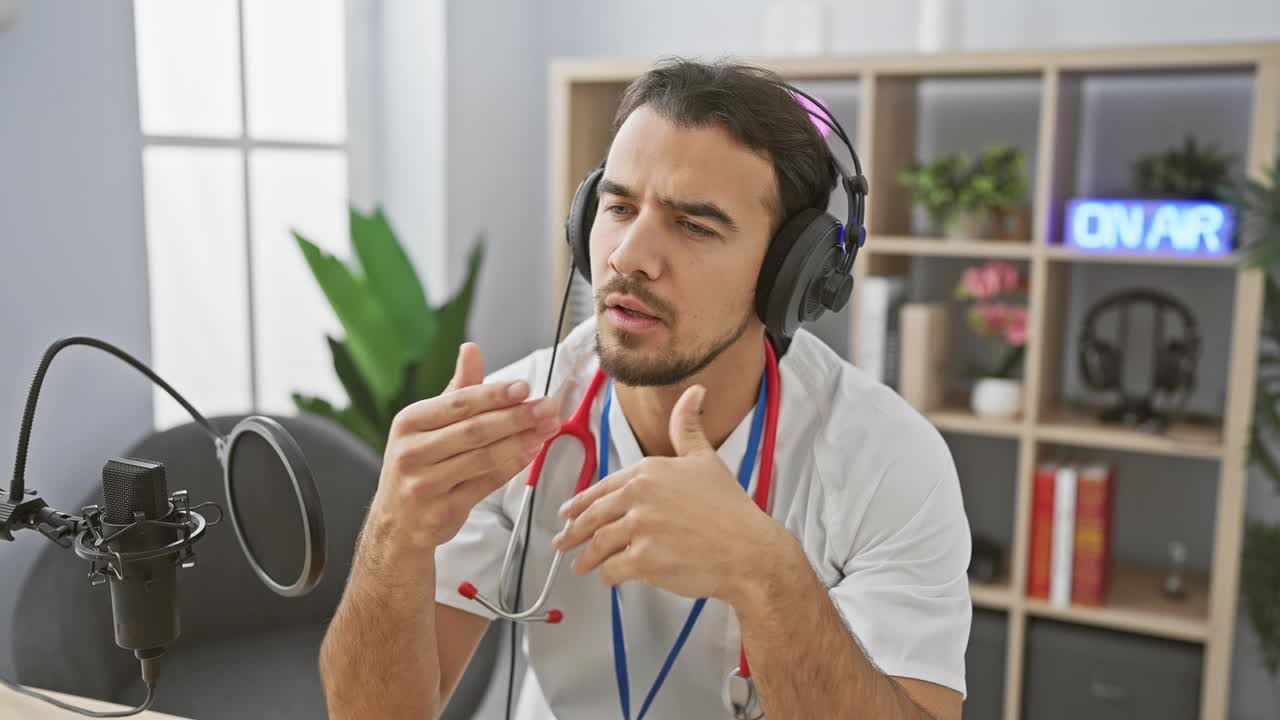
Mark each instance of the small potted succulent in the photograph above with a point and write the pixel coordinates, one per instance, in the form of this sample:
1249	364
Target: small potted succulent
982	198
995	293
1190	171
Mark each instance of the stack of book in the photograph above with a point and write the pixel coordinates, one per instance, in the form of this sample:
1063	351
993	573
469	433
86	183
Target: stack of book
879	302
1069	558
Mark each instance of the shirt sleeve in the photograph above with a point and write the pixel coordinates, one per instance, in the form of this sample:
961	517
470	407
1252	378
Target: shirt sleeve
905	590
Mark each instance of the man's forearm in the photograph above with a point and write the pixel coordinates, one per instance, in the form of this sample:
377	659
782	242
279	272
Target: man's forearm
379	657
804	660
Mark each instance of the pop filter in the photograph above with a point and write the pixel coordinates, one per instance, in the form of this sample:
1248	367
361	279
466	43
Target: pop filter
274	505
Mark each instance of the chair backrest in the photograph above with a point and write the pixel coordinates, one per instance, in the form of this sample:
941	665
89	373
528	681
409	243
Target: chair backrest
64	638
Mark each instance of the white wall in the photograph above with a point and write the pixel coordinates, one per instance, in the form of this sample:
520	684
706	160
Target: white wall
503	42
72	257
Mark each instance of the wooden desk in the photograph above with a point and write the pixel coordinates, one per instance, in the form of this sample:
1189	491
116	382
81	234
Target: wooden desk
16	705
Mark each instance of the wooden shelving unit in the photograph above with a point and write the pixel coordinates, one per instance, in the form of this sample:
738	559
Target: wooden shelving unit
584	95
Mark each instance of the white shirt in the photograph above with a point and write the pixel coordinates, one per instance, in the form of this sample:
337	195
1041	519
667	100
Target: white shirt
863	481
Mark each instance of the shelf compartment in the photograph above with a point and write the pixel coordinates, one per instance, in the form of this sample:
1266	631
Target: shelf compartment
1073	425
1135	604
944	247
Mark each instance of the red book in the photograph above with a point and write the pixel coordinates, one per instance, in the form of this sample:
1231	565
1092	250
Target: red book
1040	554
1092	552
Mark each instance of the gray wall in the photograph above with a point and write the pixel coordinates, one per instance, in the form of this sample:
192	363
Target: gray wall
72	256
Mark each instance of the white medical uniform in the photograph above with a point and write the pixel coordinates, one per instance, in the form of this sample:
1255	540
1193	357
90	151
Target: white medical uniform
862	480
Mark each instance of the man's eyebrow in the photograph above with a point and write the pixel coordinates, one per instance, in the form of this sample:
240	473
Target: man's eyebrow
613	187
696	208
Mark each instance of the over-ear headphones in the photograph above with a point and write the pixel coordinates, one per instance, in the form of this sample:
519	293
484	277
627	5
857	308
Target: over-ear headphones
808	267
1102	361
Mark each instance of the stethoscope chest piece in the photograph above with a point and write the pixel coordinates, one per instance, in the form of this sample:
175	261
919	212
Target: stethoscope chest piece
740	697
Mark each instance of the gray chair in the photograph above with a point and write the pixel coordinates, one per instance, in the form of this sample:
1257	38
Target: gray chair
244	652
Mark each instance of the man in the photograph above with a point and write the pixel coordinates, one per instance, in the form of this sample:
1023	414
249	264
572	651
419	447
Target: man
849	597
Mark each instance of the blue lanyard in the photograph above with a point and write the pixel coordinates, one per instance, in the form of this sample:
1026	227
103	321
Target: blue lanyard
619	643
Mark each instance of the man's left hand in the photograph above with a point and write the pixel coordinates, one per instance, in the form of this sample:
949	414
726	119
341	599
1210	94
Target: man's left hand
679	523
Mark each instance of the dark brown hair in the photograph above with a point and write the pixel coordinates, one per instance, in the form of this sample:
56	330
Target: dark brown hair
753	106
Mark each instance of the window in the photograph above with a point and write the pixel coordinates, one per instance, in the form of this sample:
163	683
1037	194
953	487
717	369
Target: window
243	111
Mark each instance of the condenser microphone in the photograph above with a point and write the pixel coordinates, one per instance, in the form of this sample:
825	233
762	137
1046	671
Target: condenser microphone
144	593
141	534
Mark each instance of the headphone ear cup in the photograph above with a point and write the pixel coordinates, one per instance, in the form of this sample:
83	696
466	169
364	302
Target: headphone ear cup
803	254
577	227
1174	367
1099	364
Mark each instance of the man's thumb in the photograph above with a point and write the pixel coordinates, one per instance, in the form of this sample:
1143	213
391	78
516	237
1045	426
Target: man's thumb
469	369
686	432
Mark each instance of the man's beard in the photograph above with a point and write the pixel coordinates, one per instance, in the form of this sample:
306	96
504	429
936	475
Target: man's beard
624	365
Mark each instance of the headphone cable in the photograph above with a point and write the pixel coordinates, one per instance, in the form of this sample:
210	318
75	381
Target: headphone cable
533	496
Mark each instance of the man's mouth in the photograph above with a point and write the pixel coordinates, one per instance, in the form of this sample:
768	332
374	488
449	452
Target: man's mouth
631	307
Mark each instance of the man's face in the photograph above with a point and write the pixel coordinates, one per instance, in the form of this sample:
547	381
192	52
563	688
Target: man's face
676	247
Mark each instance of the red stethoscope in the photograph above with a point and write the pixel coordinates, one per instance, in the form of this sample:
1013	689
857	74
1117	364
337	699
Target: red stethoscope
739	692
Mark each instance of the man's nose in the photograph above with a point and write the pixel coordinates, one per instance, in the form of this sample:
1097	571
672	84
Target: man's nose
640	248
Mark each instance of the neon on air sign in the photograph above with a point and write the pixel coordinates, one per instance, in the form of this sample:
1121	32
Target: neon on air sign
1182	228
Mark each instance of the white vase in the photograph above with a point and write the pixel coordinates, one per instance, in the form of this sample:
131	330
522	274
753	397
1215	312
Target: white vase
939	25
996	397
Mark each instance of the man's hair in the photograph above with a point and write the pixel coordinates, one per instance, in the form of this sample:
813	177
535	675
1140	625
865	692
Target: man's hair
754	107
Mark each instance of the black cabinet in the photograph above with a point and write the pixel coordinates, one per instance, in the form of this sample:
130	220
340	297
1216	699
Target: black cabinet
984	662
1074	671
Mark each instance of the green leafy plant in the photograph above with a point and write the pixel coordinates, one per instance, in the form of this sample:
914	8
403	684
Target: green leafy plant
1257	204
937	186
997	180
398	349
992	183
1191	171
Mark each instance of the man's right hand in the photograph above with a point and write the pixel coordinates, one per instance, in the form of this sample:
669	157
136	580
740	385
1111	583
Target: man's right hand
446	454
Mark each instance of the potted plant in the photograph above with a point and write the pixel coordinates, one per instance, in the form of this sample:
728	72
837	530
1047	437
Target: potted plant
995	293
979	199
398	348
1258	204
1190	171
994	197
936	186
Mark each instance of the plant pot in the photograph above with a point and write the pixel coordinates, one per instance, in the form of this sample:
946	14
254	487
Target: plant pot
996	397
974	225
1016	224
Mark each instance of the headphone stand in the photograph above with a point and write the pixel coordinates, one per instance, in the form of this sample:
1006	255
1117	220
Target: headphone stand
1137	412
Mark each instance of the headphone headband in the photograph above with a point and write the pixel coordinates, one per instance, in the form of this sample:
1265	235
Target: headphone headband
855	184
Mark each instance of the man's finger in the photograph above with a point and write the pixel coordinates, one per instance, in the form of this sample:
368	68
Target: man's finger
621	567
469	493
503	458
574	506
606	508
483	429
605	543
469	368
685	426
458	405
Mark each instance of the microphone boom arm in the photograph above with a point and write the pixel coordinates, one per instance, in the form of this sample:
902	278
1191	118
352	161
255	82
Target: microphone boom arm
25	508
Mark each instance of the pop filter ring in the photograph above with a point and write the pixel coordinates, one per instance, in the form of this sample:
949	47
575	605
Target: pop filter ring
304	487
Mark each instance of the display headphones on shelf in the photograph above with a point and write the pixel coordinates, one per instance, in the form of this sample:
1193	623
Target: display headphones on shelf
1102	361
808	267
